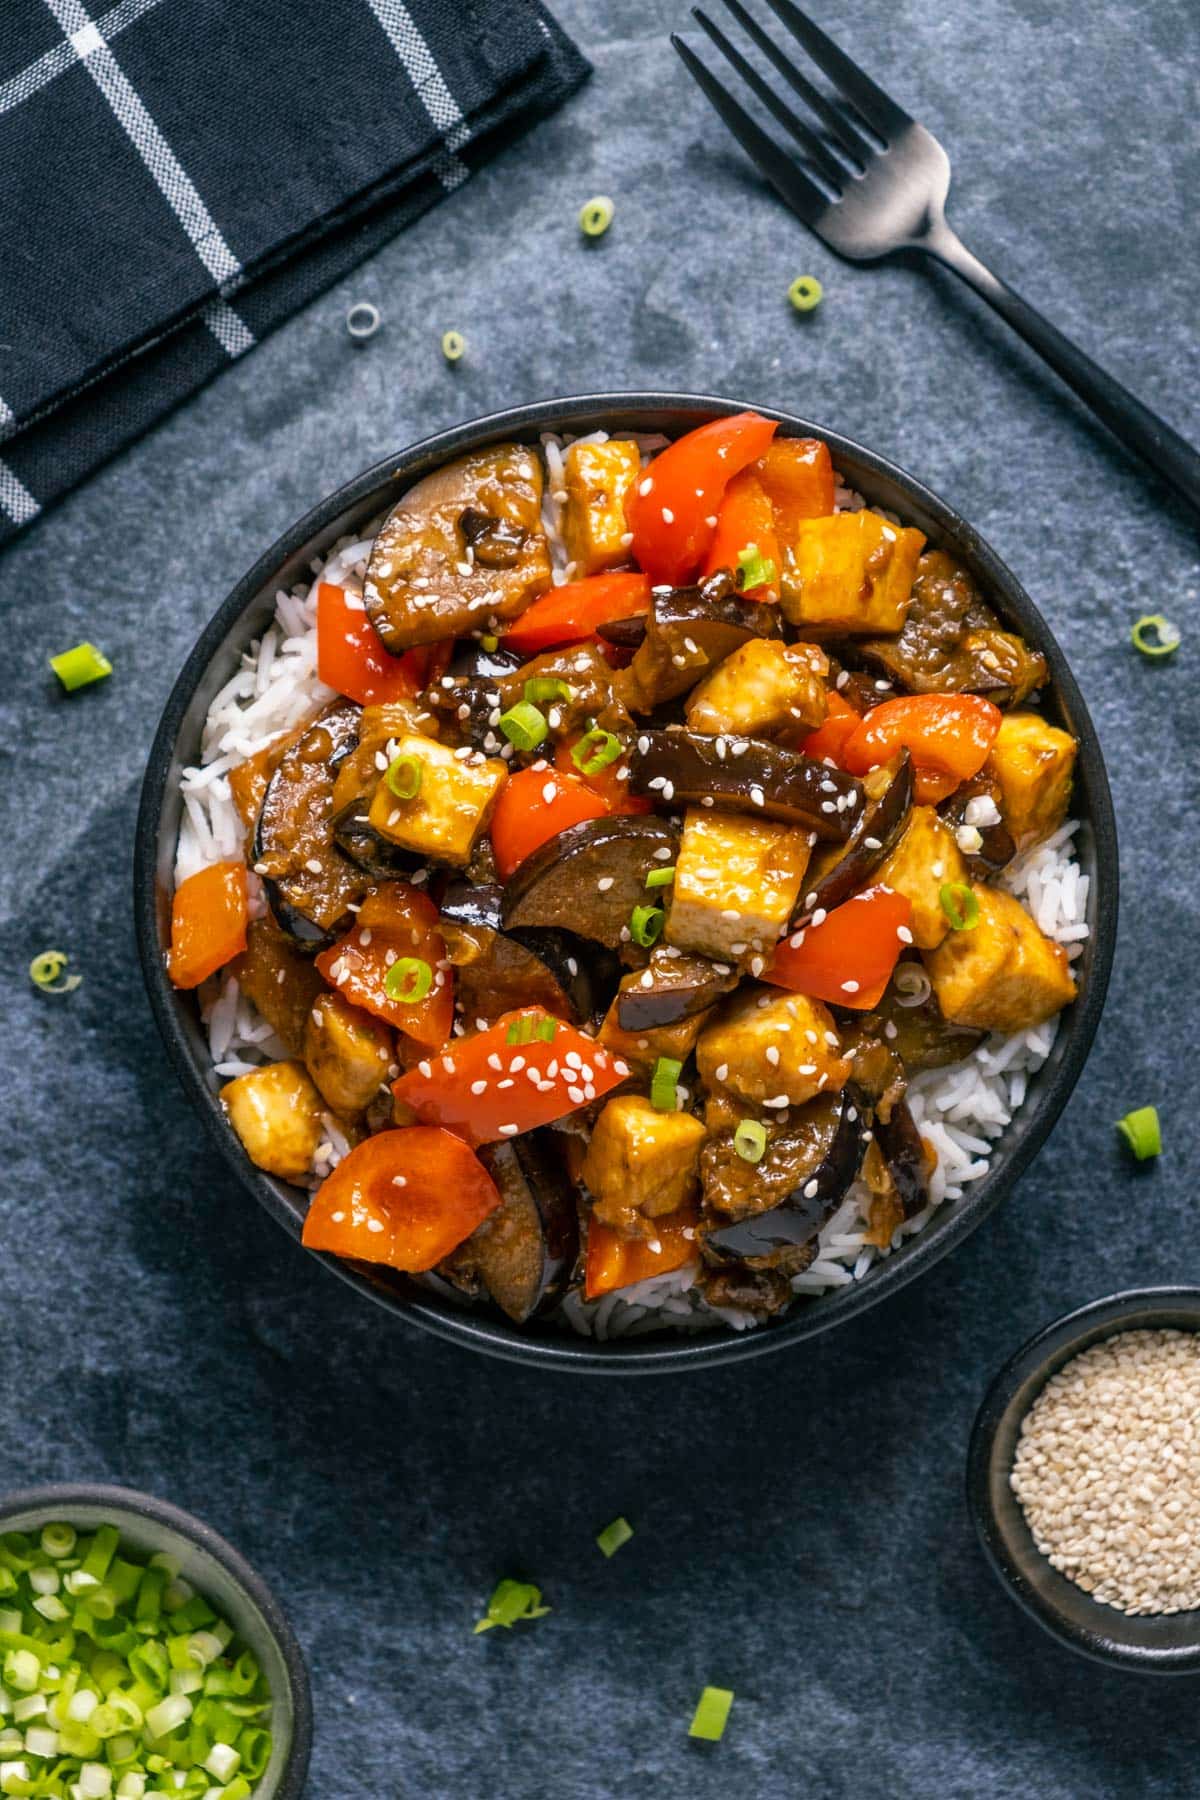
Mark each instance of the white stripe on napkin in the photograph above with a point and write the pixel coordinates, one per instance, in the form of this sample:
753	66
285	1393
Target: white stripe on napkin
54	62
406	40
15	497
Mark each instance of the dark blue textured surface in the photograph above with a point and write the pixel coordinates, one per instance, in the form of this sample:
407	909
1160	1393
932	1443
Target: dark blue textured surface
801	1534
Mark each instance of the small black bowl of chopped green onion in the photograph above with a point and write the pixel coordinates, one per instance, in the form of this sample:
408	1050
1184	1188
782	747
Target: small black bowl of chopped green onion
1083	1478
141	1654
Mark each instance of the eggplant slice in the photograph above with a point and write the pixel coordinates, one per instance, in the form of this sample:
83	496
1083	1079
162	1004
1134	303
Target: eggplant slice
904	1153
687	631
523	1253
997	847
589	878
875	836
834	1146
309	883
952	641
497	971
747	775
680	986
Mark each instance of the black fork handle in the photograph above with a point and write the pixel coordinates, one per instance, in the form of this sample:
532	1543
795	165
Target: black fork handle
1136	426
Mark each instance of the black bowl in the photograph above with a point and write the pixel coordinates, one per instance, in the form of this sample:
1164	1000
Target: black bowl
1164	1645
217	1570
246	613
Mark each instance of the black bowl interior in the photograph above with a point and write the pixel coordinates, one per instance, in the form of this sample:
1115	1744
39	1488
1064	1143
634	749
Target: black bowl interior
221	1574
1166	1645
245	615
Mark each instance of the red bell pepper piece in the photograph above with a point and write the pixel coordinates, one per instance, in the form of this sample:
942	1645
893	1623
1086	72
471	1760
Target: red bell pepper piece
486	1088
570	613
405	1198
610	784
395	920
672	509
848	958
534	805
797	477
948	737
745	520
828	742
614	1261
350	656
208	923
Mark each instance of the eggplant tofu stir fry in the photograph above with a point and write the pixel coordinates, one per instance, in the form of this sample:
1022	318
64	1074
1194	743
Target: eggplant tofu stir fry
645	837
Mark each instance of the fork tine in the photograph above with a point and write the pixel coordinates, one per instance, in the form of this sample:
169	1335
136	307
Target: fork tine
793	186
877	108
811	144
831	118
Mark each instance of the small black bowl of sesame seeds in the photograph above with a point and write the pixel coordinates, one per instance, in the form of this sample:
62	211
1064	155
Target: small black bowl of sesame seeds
1083	1477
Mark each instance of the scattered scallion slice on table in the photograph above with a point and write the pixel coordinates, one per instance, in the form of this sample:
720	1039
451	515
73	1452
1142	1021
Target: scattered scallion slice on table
523	725
711	1714
596	215
806	293
46	972
454	346
663	1083
511	1602
80	666
613	1536
959	905
1155	636
1142	1132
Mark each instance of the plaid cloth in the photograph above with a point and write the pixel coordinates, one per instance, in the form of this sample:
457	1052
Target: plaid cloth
178	176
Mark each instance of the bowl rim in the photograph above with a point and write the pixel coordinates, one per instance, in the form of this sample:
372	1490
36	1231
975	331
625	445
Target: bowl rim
662	1353
59	1497
1010	1393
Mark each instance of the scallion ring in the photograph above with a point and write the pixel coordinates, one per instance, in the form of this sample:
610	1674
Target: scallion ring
512	1601
521	1031
959	904
750	1140
661	877
1142	1132
663	1084
81	666
614	1535
541	690
645	925
404	777
46	972
755	570
913	986
1155	636
806	293
595	750
363	320
523	725
454	346
544	1030
711	1714
408	980
596	215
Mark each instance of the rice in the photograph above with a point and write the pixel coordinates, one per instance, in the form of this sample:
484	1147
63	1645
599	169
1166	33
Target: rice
961	1110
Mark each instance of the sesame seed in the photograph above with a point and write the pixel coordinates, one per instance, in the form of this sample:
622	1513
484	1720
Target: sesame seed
508	1130
645	486
668	516
850	987
721	1071
776	1100
426	1069
811	1189
604	883
479	1087
773	1055
575	1095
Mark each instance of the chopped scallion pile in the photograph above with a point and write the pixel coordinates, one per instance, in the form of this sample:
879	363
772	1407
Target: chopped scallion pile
711	1714
806	293
46	972
596	215
81	666
408	980
595	750
454	346
959	904
750	1140
1155	636
663	1083
645	925
511	1602
614	1535
1142	1132
523	725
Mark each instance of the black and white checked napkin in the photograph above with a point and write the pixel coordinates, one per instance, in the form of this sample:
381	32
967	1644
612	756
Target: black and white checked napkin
178	176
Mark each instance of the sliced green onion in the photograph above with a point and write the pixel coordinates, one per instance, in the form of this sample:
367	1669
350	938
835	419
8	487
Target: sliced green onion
512	1601
544	1030
1155	636
489	641
521	1031
544	689
663	1097
408	980
523	725
661	877
81	666
645	925
754	570
750	1140
46	972
58	1540
595	750
959	905
1142	1132
614	1535
404	776
805	293
711	1714
596	215
454	345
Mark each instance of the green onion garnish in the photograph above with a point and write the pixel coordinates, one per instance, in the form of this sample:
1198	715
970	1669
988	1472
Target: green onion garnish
661	877
595	750
543	689
805	293
454	345
645	925
512	1601
596	215
404	777
81	666
544	1030
1142	1132
523	725
753	570
46	972
663	1095
614	1535
750	1140
408	980
711	1714
1155	636
489	641
521	1031
959	905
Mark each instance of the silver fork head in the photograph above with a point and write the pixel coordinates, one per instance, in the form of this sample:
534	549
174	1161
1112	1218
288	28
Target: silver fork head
867	178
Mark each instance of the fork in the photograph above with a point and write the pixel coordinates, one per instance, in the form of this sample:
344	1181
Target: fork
870	180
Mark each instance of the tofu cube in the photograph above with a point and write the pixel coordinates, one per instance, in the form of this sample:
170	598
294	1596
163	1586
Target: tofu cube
276	1111
1033	762
766	1044
598	477
1003	974
347	1052
926	857
450	809
851	572
764	688
736	884
641	1162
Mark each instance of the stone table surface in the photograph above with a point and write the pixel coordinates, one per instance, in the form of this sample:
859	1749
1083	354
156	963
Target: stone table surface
801	1532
